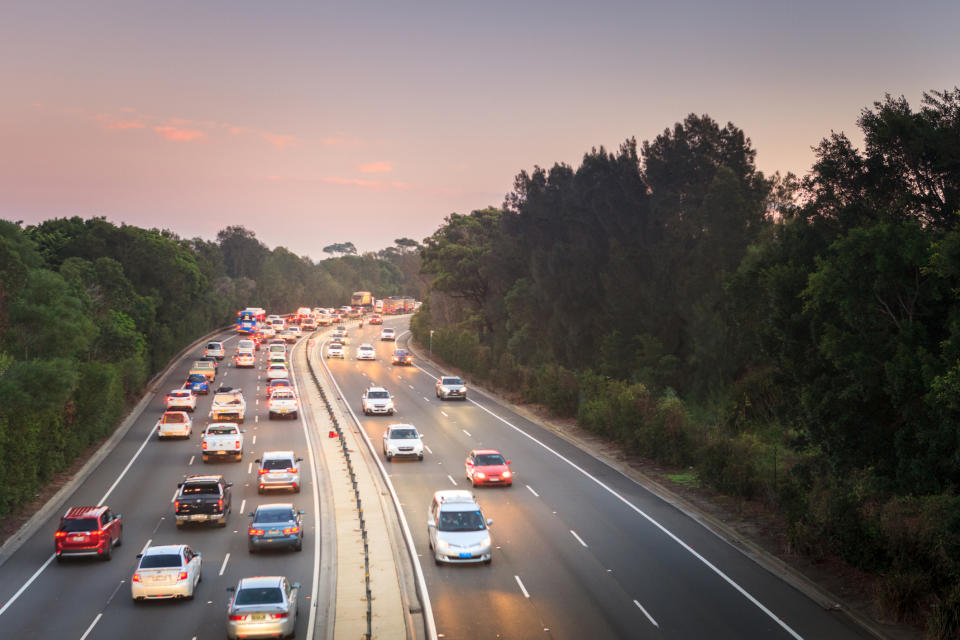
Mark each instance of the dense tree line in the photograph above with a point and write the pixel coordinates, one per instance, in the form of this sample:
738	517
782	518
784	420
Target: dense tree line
90	310
797	341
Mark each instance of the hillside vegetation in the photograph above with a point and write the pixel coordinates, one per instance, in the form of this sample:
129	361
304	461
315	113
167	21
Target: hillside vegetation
796	341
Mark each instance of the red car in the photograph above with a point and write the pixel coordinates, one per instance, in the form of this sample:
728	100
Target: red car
277	383
488	466
375	320
88	531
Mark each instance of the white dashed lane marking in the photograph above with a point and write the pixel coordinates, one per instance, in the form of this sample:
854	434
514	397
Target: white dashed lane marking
454	482
522	588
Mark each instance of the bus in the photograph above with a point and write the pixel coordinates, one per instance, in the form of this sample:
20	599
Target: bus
362	299
246	321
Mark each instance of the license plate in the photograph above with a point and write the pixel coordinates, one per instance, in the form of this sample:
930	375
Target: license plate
221	453
494	479
273	533
198	516
258	617
466	555
79	538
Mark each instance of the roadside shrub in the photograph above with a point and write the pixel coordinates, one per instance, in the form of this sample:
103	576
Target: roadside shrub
734	465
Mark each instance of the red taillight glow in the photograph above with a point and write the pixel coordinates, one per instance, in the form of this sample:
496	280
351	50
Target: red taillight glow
278	616
137	578
220	504
236	444
263	471
291	470
255	532
203	445
290	530
60	534
238	618
167	399
182	576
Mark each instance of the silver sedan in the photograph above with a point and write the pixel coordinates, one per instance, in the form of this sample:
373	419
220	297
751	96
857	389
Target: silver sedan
263	607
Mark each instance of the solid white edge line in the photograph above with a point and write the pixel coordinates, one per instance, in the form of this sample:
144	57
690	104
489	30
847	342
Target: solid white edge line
26	584
146	545
425	603
646	613
532	491
466	432
226	559
643	514
92	625
452	480
522	588
315	585
174	497
579	539
126	468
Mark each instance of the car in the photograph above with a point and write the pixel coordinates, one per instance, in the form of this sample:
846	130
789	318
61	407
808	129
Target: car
488	466
278	470
402	440
257	339
277	370
275	525
166	571
203	498
377	400
197	383
375	319
204	368
388	334
247	344
335	350
245	360
220	440
340	340
228	404
174	424
277	383
402	357
263	607
88	531
366	352
288	335
296	330
342	331
282	402
267	331
181	399
277	356
211	359
215	350
451	387
457	530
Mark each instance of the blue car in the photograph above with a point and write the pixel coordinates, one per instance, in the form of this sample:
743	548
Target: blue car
275	525
198	384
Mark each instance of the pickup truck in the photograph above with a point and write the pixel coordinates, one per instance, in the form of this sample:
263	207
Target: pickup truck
228	404
202	499
204	368
282	402
222	440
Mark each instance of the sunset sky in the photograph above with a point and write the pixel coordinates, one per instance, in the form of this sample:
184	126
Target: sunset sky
315	122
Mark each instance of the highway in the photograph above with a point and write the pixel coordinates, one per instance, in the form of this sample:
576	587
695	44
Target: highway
87	599
581	551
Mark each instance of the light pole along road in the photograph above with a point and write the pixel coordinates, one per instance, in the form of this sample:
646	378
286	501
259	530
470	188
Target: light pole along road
86	599
580	550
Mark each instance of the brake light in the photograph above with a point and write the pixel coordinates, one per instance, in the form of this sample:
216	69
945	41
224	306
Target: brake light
182	576
237	618
263	471
290	530
167	399
291	470
220	504
137	578
278	616
203	445
236	444
176	505
256	532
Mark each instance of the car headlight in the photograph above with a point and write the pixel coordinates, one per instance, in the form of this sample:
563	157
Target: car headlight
443	544
507	474
480	474
485	542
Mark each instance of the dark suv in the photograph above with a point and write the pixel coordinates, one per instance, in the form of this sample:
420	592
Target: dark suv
88	531
203	499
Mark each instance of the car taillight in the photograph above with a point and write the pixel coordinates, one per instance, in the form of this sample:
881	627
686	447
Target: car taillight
291	470
203	445
176	505
220	504
137	578
60	534
263	471
236	444
182	576
255	532
236	618
290	530
278	616
167	399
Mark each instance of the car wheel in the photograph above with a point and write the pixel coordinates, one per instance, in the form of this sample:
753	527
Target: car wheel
119	540
488	561
251	548
293	416
60	559
436	560
204	459
296	489
299	546
270	416
108	553
260	490
420	457
222	522
180	525
389	457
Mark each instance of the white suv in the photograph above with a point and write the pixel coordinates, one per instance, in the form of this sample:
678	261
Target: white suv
457	530
278	470
377	400
388	334
402	440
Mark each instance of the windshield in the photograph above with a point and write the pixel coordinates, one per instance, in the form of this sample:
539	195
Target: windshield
452	381
226	398
221	431
160	561
461	521
487	460
382	395
80	524
278	463
171	418
197	378
270	516
262	595
403	434
205	488
214	345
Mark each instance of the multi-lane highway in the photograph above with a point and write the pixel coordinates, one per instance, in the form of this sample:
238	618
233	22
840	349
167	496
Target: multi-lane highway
86	599
581	551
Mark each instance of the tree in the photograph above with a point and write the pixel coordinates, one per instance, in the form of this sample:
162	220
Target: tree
343	248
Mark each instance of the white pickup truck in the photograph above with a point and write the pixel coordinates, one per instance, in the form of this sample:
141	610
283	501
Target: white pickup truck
282	402
228	404
222	440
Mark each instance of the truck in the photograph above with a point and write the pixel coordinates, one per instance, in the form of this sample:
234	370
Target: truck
204	368
308	323
392	306
228	404
202	498
362	299
282	402
222	440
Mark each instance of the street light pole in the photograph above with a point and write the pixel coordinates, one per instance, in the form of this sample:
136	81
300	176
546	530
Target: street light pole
431	344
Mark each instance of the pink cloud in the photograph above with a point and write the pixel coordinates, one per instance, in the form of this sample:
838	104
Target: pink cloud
373	167
375	185
180	135
278	140
127	109
126	124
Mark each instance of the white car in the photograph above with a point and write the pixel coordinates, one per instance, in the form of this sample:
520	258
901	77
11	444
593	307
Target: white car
266	330
277	356
246	345
174	424
402	440
215	349
222	440
228	404
295	328
168	571
181	400
451	387
366	352
278	470
335	350
282	402
277	370
244	360
377	400
388	334
457	530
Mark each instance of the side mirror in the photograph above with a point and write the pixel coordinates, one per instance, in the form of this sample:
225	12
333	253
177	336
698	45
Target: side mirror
489	522
231	589
302	512
139	555
179	484
298	460
257	460
508	462
229	484
296	585
243	430
250	515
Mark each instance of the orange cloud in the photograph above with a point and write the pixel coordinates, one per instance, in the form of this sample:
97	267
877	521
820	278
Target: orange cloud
373	167
127	109
126	124
180	135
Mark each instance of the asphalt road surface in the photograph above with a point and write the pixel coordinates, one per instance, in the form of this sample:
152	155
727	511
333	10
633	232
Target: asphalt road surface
580	551
87	599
